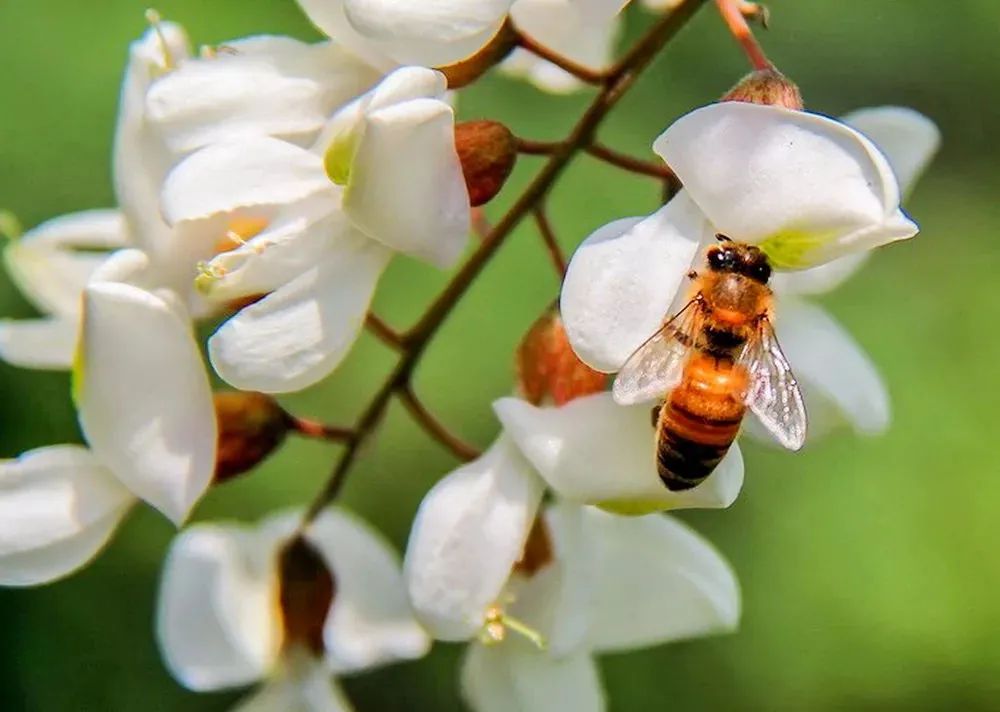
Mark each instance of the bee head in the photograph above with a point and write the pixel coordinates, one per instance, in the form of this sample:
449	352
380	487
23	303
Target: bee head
748	260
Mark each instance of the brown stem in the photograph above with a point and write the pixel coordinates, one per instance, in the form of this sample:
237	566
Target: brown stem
581	72
537	148
319	431
549	238
619	79
385	333
480	223
459	448
631	163
736	21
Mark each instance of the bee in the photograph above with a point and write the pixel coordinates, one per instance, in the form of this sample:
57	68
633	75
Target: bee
714	359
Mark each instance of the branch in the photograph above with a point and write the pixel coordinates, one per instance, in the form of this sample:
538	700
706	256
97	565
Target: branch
583	73
618	81
632	164
549	238
481	226
434	427
537	148
319	431
385	333
732	12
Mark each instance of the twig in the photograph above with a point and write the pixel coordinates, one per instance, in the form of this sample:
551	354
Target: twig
549	238
581	72
386	334
320	431
619	79
631	164
462	450
736	21
538	148
480	223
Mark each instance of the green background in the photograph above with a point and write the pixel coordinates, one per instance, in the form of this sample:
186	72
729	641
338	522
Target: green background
869	568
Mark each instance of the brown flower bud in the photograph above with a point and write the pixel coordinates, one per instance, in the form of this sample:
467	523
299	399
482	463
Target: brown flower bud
468	70
547	368
487	151
766	86
251	426
306	591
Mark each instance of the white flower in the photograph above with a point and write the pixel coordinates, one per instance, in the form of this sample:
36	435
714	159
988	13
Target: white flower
580	30
384	176
227	617
479	567
810	190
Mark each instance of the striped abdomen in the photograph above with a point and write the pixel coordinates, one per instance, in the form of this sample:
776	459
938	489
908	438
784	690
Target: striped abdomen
699	420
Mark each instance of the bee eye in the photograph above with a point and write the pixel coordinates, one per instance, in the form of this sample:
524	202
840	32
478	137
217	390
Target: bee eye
720	259
762	271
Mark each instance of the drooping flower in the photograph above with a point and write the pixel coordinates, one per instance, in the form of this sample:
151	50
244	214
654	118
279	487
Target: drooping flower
383	177
484	566
241	605
809	190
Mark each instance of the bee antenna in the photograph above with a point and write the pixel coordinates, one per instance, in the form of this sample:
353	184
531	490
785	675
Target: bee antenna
723	238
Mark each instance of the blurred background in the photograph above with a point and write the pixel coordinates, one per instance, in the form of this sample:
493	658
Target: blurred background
869	568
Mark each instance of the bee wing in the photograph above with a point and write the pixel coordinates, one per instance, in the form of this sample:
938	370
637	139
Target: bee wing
656	366
774	395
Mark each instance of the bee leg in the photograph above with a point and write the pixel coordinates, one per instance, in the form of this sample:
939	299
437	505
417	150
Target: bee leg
655	414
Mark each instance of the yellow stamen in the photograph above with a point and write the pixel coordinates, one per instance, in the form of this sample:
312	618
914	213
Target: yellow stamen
156	22
497	624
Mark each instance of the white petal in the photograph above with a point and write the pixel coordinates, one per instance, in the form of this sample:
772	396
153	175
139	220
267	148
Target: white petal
833	368
259	86
406	188
820	279
806	187
144	398
90	229
513	676
907	138
427	33
216	619
241	174
467	535
58	508
298	334
370	622
328	16
594	451
623	280
38	343
658	581
303	685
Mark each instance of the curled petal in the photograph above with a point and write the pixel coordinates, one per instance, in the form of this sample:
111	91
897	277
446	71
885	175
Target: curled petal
328	17
594	451
216	619
805	187
515	676
467	535
907	138
38	343
298	334
143	396
624	278
657	581
370	622
58	508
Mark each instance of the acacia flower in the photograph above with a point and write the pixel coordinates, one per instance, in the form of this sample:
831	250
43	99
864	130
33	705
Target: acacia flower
806	188
383	177
238	605
484	566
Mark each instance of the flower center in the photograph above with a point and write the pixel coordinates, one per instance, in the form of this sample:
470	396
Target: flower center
498	622
306	591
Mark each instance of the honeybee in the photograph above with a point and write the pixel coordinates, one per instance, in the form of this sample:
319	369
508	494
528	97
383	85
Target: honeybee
714	359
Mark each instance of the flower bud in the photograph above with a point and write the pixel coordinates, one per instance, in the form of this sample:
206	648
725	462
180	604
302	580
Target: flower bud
306	589
487	151
251	426
766	86
547	368
471	68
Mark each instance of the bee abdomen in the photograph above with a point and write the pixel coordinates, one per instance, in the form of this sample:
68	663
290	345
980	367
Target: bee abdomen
690	445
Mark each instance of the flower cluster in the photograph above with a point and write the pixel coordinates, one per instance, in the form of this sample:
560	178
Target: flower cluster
264	185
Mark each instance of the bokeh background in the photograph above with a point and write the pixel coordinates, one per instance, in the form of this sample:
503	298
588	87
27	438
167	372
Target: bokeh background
869	567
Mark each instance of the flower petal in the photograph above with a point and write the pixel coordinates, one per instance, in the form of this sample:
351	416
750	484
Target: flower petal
594	451
38	343
216	622
298	334
658	581
58	508
835	372
254	172
406	188
624	278
468	533
302	685
807	188
820	279
328	17
515	676
370	621
144	398
907	138
259	86
431	34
